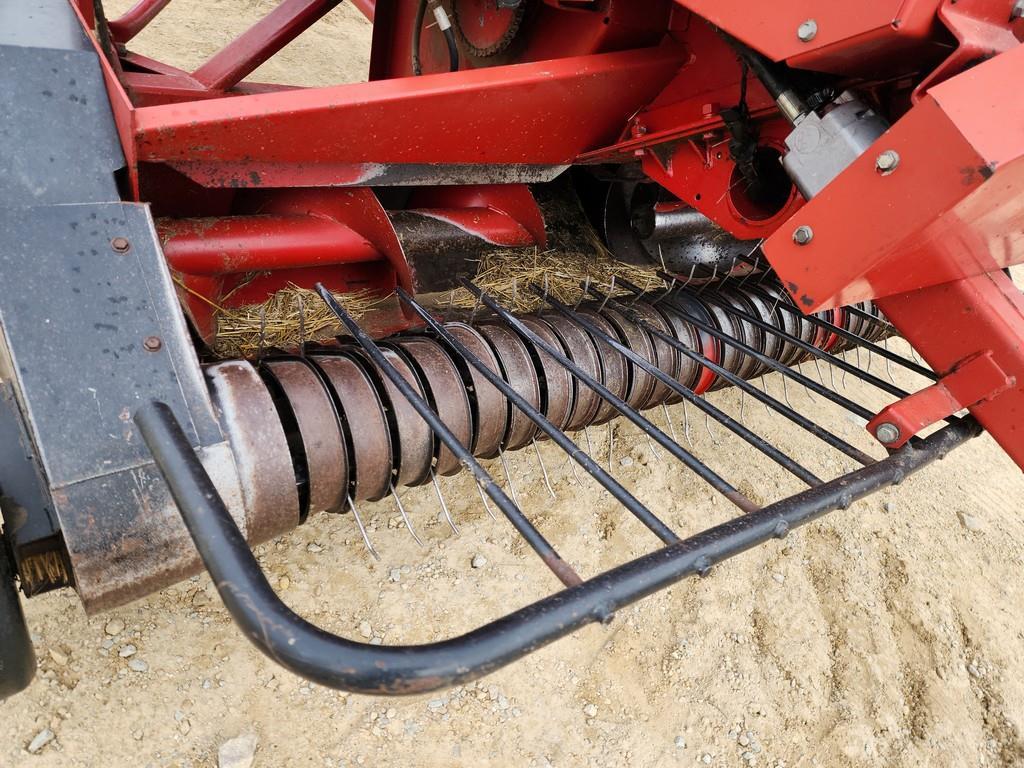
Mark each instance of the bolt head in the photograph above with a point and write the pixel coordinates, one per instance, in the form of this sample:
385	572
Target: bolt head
152	343
803	235
807	31
887	433
120	244
887	162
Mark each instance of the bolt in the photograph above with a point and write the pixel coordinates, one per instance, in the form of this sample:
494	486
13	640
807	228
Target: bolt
152	343
887	433
887	162
803	235
807	31
120	244
1017	11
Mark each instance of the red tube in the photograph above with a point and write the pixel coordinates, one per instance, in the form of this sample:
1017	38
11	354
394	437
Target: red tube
258	243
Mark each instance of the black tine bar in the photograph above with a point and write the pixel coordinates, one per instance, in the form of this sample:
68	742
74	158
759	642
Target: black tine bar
772	402
703	471
526	529
563	441
775	365
336	662
895	357
821	354
715	413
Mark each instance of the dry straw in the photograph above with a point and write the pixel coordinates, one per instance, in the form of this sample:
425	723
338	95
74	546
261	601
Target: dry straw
288	318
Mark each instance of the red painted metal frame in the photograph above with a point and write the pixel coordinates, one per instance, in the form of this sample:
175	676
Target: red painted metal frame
261	41
135	19
557	110
928	241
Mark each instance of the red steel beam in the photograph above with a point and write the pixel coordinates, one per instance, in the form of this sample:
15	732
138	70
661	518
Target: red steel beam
135	19
366	7
261	41
543	113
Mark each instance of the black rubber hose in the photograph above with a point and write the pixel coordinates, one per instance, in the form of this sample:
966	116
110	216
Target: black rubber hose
417	30
453	50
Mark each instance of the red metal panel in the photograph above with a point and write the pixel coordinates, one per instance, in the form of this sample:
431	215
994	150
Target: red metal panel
259	243
951	323
951	209
851	37
545	113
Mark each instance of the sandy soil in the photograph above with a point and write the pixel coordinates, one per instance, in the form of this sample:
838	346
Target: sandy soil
886	635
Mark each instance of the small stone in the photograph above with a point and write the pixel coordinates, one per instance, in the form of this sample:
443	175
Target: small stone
779	577
314	548
138	665
478	561
970	522
887	506
239	752
42	738
680	742
59	657
283	583
365	629
114	627
590	710
706	759
626	461
200	598
391	714
127	651
396	574
744	740
138	735
974	671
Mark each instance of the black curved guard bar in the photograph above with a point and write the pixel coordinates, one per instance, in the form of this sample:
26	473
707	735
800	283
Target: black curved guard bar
336	662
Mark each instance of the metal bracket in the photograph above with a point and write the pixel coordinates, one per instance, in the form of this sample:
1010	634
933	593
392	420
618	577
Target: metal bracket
973	381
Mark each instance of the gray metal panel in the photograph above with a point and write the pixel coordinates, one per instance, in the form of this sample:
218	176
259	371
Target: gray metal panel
58	143
41	24
75	314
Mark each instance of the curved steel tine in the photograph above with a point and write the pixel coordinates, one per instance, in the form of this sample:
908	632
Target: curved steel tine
611	290
654	450
444	506
764	387
302	326
818	369
668	420
693	269
707	425
515	291
483	498
637	295
611	444
711	281
590	445
583	293
806	389
686	425
508	477
543	469
661	258
476	308
362	528
572	465
451	302
405	517
546	282
888	368
741	406
785	392
671	287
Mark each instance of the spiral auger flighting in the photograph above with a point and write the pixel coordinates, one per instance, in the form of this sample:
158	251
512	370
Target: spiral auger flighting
500	382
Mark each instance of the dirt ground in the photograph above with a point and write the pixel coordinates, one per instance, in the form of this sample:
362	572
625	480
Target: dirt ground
890	634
